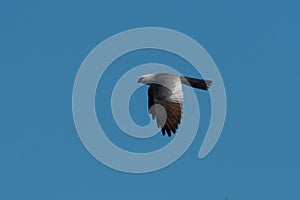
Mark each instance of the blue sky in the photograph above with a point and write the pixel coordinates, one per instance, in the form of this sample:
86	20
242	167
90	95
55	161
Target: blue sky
255	45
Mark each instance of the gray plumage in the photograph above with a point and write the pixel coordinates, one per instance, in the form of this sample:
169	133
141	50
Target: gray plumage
165	97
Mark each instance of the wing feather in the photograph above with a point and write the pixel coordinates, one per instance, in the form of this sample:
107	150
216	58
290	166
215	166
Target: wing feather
167	113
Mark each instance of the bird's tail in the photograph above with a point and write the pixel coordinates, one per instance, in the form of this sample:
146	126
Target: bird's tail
196	83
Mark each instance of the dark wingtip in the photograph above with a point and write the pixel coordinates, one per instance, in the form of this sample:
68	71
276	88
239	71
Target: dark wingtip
173	129
169	132
163	131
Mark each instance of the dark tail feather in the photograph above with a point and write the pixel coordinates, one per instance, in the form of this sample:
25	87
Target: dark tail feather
196	83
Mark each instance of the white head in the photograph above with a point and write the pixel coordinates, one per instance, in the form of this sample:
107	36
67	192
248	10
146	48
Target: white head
147	78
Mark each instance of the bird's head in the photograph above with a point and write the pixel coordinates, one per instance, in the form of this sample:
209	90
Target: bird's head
146	79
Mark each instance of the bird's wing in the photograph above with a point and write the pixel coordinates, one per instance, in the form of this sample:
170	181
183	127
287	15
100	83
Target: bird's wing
165	105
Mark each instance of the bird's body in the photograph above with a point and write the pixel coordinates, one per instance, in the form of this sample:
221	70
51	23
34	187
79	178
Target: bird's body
165	97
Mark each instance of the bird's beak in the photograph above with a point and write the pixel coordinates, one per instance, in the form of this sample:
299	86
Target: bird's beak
140	79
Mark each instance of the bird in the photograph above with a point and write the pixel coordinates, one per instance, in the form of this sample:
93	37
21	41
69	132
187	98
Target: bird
165	98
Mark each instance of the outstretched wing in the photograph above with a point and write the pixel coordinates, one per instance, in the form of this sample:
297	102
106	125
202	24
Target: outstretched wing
165	105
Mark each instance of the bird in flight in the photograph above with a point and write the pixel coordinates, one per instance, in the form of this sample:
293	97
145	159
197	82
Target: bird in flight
165	97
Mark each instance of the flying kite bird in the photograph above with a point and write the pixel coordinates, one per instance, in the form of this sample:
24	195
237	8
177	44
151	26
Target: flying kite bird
165	97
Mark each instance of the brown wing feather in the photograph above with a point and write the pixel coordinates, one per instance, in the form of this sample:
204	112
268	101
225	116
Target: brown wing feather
167	114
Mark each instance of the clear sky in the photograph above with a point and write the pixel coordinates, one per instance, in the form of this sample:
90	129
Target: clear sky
255	45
